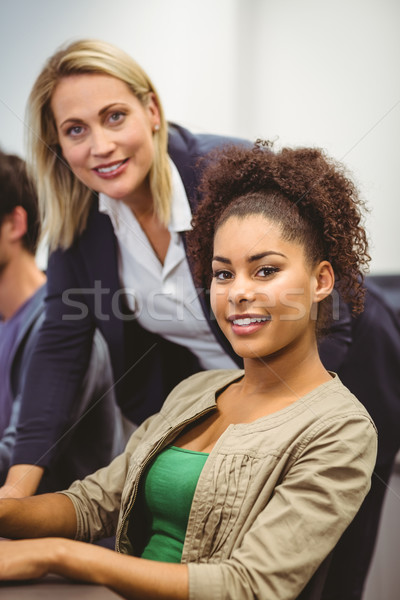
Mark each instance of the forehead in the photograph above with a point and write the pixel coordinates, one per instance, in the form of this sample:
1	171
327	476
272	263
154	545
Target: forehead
252	229
251	235
89	91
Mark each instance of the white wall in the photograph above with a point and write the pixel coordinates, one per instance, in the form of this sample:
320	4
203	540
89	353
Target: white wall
303	72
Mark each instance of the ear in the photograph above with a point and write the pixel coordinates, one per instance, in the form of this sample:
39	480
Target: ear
153	112
15	225
324	280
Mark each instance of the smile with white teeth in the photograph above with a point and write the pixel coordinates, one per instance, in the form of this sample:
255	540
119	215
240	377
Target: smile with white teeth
109	169
249	321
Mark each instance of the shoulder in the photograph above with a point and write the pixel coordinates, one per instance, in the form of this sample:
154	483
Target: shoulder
187	150
334	398
329	415
332	409
197	144
329	424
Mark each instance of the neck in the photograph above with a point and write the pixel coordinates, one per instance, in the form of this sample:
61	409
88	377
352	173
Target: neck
141	203
19	280
286	376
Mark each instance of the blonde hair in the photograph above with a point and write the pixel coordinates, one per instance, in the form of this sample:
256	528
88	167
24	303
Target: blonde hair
64	201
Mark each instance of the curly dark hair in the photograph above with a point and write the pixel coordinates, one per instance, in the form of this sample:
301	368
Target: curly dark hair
304	191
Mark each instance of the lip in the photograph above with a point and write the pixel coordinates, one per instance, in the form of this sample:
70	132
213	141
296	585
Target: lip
111	169
246	324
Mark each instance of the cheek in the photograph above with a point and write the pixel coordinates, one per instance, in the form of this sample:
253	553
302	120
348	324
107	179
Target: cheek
294	301
147	149
139	136
77	163
213	297
73	156
217	298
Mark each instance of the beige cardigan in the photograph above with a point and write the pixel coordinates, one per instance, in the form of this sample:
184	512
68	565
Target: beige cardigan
272	500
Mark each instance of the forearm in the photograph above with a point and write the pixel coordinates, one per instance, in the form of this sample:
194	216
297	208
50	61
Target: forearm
38	516
131	577
21	481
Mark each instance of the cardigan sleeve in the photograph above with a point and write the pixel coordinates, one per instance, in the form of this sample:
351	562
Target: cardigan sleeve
97	498
301	522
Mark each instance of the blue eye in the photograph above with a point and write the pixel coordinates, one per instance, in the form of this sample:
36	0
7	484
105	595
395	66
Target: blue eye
75	130
116	117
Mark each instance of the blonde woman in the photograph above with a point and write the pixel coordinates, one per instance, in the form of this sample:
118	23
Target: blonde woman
117	186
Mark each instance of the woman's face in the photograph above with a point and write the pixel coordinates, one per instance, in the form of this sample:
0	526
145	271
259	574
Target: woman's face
263	289
106	134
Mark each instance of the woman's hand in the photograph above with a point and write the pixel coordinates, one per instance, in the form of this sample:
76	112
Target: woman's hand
133	578
25	559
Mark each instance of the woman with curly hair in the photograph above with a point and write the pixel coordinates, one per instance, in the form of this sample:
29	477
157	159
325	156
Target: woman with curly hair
244	481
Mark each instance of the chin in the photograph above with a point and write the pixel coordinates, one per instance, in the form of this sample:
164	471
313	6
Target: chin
249	352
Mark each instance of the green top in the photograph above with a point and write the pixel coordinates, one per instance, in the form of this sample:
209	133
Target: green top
166	492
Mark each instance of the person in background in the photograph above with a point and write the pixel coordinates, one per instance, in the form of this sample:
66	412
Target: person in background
22	286
22	306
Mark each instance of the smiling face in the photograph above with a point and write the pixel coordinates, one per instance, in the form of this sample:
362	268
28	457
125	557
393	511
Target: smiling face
106	134
263	289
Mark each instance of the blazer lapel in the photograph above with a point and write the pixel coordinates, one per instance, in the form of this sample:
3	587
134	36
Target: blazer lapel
99	253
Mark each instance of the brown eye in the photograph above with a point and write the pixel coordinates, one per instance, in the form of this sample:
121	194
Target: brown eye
266	271
222	275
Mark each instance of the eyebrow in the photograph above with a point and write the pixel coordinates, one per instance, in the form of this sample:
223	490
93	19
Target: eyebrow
252	258
101	112
70	120
106	108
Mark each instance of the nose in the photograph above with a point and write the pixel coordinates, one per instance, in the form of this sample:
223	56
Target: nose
240	292
101	142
